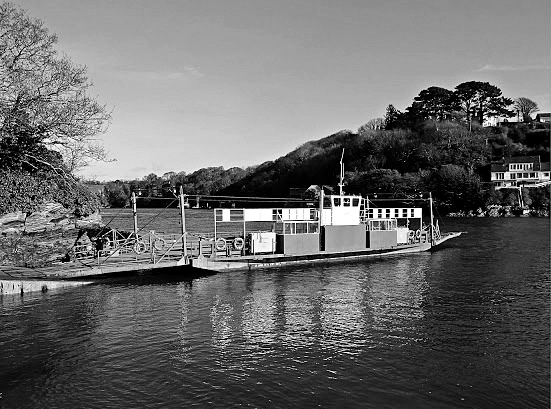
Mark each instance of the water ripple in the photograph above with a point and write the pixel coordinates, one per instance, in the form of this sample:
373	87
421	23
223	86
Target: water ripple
467	326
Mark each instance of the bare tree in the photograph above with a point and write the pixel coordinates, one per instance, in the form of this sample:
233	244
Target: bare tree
44	101
526	107
372	124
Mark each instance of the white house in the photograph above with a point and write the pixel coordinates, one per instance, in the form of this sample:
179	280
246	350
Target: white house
517	171
543	117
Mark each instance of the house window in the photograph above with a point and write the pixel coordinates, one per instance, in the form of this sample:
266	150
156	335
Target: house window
546	174
404	212
533	175
519	175
513	176
396	212
500	176
387	213
525	175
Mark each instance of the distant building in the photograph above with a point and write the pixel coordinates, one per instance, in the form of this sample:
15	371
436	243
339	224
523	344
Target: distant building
543	117
517	171
498	120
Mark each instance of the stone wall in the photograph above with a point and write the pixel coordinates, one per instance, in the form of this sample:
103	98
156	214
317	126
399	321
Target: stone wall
47	235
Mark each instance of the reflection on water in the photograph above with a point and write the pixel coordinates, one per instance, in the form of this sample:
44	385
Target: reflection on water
460	327
312	306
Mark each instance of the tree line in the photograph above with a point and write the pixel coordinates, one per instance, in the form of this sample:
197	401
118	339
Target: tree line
471	101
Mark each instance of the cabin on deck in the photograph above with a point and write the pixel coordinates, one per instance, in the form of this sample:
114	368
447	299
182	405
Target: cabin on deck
343	223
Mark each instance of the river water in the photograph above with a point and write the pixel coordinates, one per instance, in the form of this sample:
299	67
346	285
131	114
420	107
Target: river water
467	326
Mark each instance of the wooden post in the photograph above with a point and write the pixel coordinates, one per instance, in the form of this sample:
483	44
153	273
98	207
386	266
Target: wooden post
320	221
135	215
183	217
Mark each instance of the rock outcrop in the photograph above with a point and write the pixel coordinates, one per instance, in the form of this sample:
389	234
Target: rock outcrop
40	238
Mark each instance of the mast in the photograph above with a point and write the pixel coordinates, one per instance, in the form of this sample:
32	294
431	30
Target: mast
341	184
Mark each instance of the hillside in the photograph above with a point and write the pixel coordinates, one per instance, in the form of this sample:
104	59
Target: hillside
445	158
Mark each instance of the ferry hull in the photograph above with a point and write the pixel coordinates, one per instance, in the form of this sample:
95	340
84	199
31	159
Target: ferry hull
273	260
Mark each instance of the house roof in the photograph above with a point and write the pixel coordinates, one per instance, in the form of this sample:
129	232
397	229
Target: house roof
503	166
522	159
544	115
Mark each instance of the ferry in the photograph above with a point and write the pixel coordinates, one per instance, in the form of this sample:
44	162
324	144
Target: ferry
342	226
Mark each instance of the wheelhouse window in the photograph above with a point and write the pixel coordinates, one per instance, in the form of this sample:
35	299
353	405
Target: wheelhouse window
299	228
337	201
355	201
384	224
346	202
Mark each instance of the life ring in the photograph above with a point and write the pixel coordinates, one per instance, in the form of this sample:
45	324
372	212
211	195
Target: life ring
418	234
159	243
221	244
139	247
238	243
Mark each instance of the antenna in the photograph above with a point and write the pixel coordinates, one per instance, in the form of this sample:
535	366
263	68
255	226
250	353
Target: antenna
341	184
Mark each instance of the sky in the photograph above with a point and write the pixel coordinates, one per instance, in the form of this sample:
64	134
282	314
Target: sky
199	83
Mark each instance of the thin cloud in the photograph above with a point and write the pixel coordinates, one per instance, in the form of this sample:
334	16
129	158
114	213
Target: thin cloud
187	73
492	67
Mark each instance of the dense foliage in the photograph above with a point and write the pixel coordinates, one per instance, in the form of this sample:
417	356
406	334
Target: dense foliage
445	158
22	190
48	122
